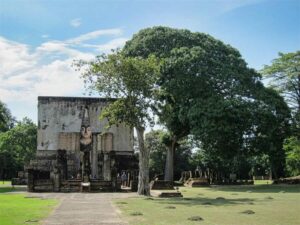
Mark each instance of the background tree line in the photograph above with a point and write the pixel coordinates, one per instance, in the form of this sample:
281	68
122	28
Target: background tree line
17	143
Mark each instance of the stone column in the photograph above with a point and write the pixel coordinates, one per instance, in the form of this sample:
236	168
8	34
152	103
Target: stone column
106	167
30	180
56	179
94	158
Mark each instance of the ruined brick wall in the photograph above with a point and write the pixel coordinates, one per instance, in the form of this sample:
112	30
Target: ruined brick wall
60	119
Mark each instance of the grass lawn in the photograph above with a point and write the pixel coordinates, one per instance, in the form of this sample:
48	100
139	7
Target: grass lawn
222	205
16	209
5	183
263	182
6	187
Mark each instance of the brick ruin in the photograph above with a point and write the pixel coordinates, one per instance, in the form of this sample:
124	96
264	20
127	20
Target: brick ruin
76	151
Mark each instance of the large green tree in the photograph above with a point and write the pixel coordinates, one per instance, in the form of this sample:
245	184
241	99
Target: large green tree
206	89
17	147
162	41
131	80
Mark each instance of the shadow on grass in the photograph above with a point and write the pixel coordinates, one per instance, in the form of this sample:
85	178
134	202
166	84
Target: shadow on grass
12	189
6	189
206	201
268	188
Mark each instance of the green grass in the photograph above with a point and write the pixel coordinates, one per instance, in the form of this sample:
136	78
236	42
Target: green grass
5	183
16	209
271	204
6	187
258	182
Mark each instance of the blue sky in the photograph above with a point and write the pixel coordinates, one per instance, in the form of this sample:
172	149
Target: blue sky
40	39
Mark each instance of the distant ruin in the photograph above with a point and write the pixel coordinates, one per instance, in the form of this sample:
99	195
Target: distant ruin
76	151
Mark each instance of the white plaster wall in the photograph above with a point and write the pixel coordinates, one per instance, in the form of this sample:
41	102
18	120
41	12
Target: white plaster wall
63	114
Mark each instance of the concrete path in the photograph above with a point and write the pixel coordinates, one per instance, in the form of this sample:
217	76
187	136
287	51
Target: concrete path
84	208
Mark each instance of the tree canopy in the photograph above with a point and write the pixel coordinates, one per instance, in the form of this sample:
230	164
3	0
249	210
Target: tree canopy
284	74
6	119
206	89
196	85
132	81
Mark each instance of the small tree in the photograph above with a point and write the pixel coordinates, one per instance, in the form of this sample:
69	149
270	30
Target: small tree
17	147
157	149
284	75
158	143
292	149
131	80
6	119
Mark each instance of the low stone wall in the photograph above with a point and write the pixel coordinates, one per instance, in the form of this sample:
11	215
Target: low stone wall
161	185
18	181
261	177
196	182
288	180
237	182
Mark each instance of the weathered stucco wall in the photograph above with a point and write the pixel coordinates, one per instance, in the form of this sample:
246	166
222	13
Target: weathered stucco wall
59	115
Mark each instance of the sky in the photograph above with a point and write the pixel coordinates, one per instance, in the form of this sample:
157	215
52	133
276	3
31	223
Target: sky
39	40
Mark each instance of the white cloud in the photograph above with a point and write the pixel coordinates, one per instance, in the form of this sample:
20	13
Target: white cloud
113	44
70	46
57	78
14	57
27	72
94	35
58	48
46	76
107	47
229	5
75	22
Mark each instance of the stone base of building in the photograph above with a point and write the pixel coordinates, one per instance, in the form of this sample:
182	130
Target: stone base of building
161	185
233	182
56	171
75	186
196	182
134	185
20	180
170	194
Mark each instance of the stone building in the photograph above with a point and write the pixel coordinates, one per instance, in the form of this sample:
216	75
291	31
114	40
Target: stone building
76	151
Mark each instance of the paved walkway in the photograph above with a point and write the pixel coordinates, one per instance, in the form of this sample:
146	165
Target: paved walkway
84	208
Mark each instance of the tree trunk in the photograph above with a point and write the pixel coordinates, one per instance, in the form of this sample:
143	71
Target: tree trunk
169	168
144	155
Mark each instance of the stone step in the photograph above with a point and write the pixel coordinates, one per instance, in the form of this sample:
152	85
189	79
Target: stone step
170	194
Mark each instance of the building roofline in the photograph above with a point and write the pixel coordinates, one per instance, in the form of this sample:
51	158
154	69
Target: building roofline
73	98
